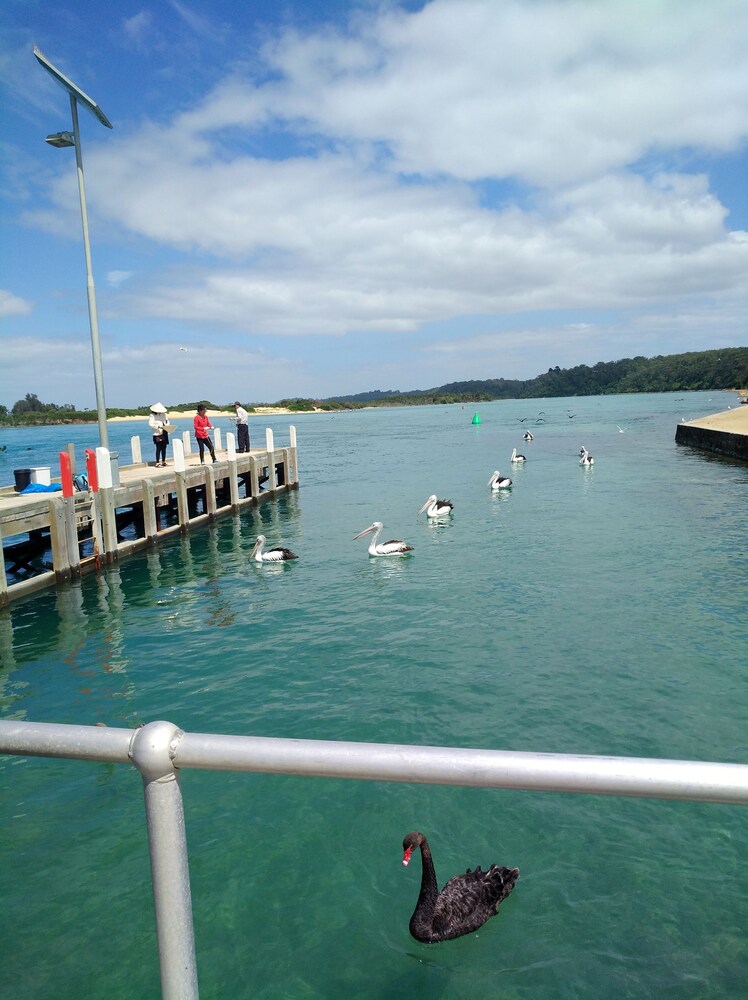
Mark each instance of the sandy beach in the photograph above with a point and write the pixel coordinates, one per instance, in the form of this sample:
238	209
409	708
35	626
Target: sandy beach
189	414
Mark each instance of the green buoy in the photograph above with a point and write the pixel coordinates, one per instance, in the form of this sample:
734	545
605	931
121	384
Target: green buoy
476	418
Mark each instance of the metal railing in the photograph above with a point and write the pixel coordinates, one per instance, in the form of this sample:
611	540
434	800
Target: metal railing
160	749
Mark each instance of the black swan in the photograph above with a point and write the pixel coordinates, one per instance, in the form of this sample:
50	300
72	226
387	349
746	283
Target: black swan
465	903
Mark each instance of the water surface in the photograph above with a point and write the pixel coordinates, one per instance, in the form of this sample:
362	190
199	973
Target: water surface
599	611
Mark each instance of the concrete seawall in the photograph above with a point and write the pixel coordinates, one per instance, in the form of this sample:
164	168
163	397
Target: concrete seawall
723	433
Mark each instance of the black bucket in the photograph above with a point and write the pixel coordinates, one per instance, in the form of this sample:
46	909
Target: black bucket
23	479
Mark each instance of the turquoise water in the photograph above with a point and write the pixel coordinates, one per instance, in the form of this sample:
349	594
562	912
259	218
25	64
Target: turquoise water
600	611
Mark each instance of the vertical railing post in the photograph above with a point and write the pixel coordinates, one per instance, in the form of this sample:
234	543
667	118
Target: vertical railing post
270	447
233	483
152	749
3	578
294	457
106	501
183	511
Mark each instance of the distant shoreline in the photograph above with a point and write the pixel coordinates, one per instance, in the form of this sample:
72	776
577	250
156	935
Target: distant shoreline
261	411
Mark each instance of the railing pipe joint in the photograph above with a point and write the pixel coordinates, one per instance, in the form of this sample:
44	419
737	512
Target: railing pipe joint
153	748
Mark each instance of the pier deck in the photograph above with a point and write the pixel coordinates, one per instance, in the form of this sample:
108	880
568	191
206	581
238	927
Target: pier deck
724	433
48	538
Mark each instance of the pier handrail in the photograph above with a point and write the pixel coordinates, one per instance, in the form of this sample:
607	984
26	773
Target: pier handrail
160	749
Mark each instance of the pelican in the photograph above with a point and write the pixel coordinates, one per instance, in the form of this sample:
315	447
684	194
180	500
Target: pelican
393	547
586	458
499	482
516	457
527	436
436	508
275	555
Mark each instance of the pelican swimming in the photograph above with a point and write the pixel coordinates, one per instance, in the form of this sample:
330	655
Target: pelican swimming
394	547
436	508
516	457
527	436
586	458
275	555
499	482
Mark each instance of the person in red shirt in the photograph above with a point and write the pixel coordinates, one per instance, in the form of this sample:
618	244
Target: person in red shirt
202	424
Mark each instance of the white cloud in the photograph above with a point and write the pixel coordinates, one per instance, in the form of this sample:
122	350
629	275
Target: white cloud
117	278
138	28
548	92
13	305
470	159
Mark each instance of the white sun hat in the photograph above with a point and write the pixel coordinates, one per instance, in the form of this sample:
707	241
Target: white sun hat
158	408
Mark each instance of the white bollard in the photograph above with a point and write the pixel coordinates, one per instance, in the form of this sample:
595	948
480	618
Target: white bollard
269	439
231	446
186	443
137	455
217	438
292	431
178	449
104	468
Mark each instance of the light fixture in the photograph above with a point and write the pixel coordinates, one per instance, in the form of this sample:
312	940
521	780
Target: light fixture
61	139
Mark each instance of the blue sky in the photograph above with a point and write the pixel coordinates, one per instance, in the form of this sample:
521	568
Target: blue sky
311	199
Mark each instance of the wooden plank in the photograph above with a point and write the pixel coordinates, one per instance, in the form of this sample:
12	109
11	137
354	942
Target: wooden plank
210	490
108	523
58	534
71	534
183	511
254	476
233	484
149	511
4	600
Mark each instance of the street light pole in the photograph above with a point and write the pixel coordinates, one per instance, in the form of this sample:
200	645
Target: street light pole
93	316
62	139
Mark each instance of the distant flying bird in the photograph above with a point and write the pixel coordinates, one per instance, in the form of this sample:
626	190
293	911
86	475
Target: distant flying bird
521	419
571	415
394	547
621	429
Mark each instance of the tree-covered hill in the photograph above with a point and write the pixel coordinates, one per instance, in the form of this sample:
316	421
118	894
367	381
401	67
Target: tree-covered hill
709	370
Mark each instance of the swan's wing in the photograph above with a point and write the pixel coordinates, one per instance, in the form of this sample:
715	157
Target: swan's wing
461	907
467	901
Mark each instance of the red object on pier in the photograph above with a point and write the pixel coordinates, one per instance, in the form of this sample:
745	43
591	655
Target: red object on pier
91	472
66	474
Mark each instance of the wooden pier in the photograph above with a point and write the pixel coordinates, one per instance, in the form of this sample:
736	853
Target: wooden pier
48	538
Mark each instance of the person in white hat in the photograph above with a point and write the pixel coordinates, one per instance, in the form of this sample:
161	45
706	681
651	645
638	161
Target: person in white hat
158	422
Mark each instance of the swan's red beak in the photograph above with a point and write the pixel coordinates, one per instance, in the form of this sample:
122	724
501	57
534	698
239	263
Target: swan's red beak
406	856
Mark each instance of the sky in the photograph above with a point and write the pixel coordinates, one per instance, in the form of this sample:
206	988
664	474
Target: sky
307	198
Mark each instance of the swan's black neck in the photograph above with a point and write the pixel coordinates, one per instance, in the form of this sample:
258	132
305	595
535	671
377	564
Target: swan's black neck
424	911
